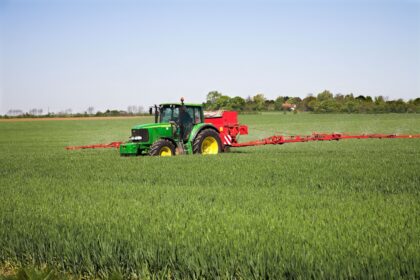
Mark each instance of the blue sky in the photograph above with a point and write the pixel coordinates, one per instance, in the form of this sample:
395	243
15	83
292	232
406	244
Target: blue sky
112	54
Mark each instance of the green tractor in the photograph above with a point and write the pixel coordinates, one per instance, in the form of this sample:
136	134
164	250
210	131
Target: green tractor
179	128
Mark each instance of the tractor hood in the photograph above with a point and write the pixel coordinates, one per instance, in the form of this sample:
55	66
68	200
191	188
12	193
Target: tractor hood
152	125
151	132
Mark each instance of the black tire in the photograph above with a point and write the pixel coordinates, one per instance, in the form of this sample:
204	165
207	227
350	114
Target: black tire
161	146
202	136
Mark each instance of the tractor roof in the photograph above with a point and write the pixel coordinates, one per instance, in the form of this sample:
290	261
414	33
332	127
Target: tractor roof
179	104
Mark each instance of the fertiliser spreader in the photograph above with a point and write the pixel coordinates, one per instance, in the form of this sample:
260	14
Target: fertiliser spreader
182	128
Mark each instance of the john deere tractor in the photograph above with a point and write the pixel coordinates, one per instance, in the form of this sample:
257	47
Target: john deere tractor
179	128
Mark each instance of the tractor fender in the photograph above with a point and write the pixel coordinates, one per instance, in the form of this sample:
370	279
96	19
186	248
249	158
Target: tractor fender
199	127
169	139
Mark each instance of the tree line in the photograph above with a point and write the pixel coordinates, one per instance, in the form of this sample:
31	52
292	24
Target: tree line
132	110
324	102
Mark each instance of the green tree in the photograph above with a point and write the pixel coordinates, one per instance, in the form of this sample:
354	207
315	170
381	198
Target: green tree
294	100
278	103
223	102
212	99
308	103
350	106
339	98
416	101
349	97
325	95
237	103
269	105
379	100
312	105
361	98
259	101
414	105
327	106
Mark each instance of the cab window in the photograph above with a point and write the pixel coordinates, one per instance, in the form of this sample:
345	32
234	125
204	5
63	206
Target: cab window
168	114
175	114
190	112
197	115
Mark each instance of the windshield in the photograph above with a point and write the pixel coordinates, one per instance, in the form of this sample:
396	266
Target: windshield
191	115
168	114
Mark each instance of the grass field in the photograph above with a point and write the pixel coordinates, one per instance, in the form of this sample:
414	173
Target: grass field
348	209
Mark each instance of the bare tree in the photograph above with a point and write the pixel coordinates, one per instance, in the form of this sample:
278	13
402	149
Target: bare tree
33	112
130	109
90	110
14	112
134	109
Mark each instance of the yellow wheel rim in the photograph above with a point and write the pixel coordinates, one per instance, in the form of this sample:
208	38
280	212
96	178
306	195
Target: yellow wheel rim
165	152
209	146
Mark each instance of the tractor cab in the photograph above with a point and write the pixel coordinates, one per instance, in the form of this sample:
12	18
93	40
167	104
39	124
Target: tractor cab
182	116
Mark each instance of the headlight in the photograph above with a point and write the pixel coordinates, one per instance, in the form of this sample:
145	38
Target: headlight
136	138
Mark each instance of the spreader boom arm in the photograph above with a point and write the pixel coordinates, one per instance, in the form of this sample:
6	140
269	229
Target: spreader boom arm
280	139
95	146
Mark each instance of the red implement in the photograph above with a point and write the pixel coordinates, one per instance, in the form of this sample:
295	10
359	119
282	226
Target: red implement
227	124
280	139
95	146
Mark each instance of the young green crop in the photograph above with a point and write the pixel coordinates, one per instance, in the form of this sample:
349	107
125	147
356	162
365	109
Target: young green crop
347	209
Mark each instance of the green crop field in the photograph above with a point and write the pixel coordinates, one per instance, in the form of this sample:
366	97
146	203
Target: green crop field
347	209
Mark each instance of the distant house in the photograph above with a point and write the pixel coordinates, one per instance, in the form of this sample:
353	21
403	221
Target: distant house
288	107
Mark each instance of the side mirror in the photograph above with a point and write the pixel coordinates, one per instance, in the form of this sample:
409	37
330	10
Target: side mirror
156	114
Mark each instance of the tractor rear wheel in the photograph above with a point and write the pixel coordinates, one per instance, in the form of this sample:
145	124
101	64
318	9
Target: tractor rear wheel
207	142
163	148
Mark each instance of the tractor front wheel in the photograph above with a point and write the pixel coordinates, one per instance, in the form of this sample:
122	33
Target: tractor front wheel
163	148
207	142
